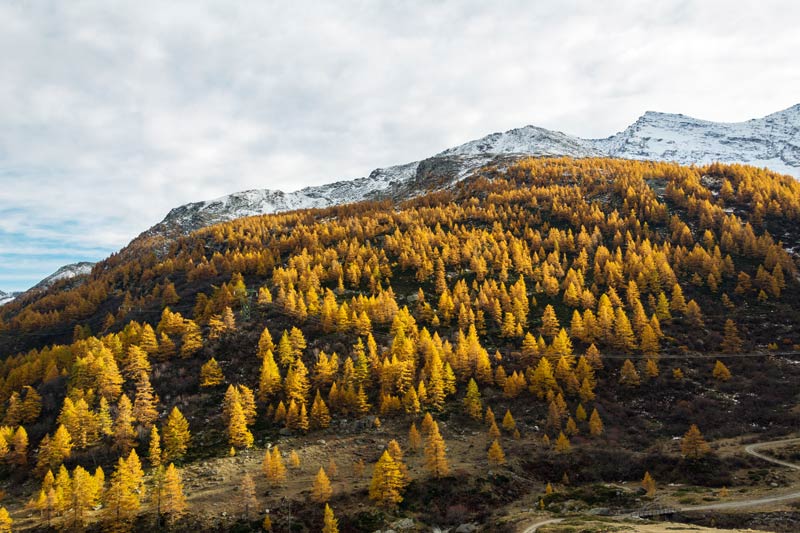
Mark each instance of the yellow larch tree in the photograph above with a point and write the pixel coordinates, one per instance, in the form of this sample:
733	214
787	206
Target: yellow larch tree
495	455
435	453
321	491
176	435
329	522
387	482
211	374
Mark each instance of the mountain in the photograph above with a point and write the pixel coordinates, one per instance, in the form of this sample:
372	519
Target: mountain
772	142
602	307
7	297
64	273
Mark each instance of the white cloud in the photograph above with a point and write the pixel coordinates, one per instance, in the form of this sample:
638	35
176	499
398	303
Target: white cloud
114	113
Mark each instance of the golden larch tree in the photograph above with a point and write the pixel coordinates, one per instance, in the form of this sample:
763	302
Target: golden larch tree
495	455
387	482
693	445
321	491
435	453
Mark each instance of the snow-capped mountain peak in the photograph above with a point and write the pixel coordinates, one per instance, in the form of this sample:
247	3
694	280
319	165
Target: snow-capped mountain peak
65	272
772	141
528	140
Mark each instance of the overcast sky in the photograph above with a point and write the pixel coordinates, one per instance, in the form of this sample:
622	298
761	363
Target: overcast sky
111	113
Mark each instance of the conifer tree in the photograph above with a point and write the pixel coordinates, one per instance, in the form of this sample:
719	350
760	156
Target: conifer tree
550	325
496	455
144	409
693	445
211	374
320	416
649	485
294	459
414	439
123	498
5	521
329	522
435	454
154	454
192	339
387	482
85	494
321	491
124	434
176	435
509	424
273	466
595	424
472	400
731	342
629	377
562	444
174	500
721	372
541	381
269	382
238	434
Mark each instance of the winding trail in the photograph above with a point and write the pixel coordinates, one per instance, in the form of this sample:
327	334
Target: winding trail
750	449
753	449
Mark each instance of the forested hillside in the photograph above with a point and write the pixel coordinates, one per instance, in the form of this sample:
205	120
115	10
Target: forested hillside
554	323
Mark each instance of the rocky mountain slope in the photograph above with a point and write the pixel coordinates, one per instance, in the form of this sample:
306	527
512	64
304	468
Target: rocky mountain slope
772	141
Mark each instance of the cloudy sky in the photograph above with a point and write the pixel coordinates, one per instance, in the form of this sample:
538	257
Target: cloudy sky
111	113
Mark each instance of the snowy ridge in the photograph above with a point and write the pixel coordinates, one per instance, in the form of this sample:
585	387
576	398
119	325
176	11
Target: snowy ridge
6	297
529	140
263	201
65	272
772	141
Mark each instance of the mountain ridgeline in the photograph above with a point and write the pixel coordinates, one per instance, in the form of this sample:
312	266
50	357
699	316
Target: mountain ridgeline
772	142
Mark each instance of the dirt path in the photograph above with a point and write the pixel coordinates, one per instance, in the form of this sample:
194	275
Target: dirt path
751	449
536	525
